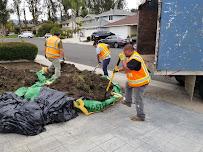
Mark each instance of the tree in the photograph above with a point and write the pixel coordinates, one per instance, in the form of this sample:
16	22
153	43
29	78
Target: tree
100	6
25	20
52	6
4	14
34	7
16	6
66	5
133	10
10	26
84	11
77	6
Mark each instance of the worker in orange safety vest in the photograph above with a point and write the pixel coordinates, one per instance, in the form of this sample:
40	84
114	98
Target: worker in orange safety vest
137	79
103	55
54	53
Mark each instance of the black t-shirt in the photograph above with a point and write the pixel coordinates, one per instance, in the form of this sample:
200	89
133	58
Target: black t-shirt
134	65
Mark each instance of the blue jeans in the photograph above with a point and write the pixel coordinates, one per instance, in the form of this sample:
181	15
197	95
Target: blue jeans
105	64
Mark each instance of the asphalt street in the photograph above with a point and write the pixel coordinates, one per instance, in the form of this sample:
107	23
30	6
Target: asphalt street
83	54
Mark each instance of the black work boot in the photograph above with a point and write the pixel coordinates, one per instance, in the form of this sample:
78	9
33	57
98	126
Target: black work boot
137	118
126	103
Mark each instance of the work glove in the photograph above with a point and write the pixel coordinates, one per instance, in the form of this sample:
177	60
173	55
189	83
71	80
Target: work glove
116	69
122	56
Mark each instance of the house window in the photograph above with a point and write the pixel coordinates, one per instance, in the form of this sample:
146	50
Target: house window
110	18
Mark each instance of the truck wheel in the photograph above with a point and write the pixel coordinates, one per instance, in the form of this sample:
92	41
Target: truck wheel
116	45
180	79
201	88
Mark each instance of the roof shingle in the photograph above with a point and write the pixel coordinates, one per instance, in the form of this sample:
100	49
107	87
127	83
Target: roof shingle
129	20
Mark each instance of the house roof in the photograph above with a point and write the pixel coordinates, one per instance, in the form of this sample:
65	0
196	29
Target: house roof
117	12
89	17
129	20
95	24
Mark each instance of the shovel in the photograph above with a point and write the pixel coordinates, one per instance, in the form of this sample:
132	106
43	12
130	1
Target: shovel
112	77
96	67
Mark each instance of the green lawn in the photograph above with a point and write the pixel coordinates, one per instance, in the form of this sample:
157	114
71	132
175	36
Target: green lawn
9	36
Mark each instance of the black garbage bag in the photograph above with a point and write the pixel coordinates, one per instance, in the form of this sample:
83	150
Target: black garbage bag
56	106
28	117
19	116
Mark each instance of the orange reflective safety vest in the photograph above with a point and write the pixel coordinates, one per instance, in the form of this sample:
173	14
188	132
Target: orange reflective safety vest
105	52
138	78
52	48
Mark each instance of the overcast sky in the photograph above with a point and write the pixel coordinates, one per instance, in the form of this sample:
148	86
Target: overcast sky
130	4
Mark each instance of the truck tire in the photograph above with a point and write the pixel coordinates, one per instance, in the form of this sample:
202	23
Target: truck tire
180	79
116	45
201	88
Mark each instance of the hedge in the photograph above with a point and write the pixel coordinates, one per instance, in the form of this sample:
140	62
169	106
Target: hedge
17	50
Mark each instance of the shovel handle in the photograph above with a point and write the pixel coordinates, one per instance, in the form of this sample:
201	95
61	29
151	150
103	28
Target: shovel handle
107	89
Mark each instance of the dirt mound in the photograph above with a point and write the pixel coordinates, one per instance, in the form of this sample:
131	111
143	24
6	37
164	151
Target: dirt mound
78	83
11	78
73	82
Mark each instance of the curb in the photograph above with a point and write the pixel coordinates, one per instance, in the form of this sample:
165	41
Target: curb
72	42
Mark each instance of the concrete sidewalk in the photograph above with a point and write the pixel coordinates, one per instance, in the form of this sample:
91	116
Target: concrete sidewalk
167	128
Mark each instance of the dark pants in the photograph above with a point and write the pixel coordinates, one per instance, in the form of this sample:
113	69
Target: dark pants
105	64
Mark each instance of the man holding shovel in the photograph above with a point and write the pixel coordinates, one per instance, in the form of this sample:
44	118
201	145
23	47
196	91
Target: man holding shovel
54	53
103	55
138	78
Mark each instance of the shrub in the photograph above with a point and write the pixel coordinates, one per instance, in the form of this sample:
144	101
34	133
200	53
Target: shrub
17	30
67	33
34	32
46	28
17	50
55	29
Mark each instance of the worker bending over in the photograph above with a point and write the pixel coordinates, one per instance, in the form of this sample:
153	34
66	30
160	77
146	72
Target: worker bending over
54	53
138	78
103	55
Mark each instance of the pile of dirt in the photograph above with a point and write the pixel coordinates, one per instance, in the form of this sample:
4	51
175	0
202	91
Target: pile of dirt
78	83
73	82
17	75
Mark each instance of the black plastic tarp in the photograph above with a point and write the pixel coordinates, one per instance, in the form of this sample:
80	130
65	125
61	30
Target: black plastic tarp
56	106
29	117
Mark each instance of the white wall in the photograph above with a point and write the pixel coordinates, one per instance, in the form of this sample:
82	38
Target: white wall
133	30
120	30
115	18
88	32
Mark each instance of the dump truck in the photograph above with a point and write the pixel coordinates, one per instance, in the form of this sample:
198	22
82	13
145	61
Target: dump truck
170	38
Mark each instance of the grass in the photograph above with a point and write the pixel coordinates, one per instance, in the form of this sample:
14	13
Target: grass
9	36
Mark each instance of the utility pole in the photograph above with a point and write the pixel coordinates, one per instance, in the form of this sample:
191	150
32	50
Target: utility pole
116	4
24	13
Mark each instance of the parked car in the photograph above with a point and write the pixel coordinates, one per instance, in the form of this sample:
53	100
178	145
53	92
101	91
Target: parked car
47	35
26	35
101	35
114	41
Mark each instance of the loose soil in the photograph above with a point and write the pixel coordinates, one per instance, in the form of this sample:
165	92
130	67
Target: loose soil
16	75
78	83
73	82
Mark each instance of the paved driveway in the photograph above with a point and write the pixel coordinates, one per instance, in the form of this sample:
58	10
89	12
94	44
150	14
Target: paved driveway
167	129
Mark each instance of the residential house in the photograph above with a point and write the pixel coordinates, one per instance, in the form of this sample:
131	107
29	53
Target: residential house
92	23
124	27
